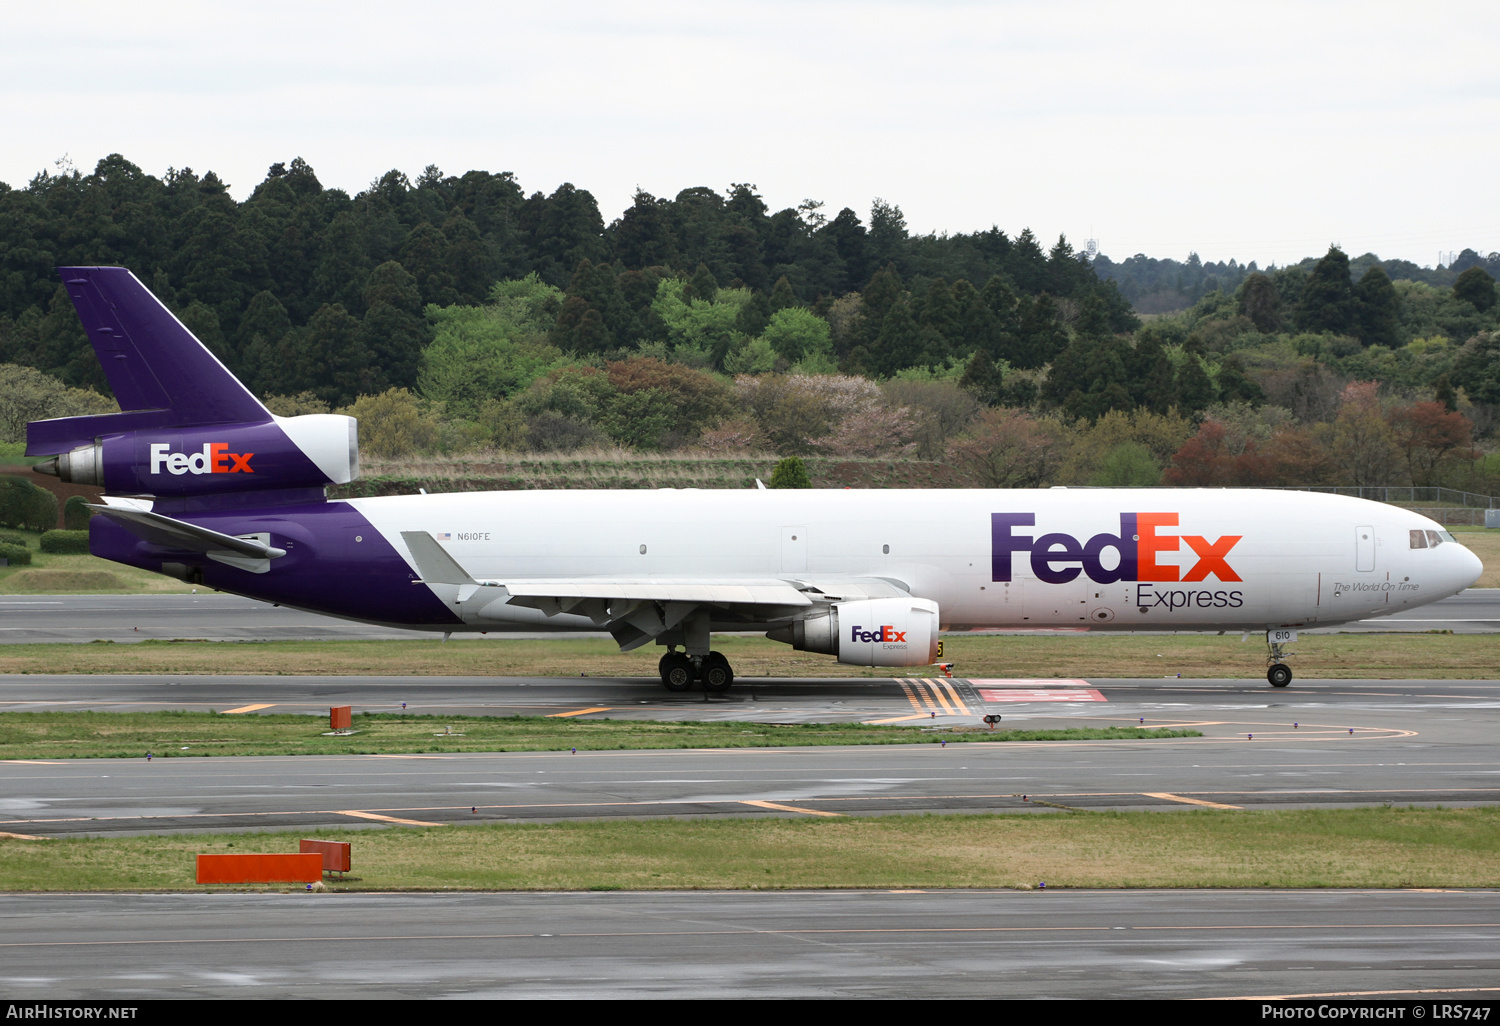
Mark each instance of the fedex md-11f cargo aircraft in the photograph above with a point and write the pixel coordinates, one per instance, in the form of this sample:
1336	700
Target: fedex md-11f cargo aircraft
204	484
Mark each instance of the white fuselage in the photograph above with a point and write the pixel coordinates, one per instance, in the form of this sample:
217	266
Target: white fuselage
1197	559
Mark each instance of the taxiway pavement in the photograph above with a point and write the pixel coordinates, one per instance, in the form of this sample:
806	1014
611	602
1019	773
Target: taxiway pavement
1396	946
1317	744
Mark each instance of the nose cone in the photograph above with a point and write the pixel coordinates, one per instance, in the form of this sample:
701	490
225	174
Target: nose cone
1469	567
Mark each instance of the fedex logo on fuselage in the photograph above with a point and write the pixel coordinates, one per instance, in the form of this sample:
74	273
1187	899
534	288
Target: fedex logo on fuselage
214	459
1059	558
886	634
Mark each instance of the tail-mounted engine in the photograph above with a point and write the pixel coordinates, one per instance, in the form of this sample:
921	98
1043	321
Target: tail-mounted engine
280	453
869	632
186	428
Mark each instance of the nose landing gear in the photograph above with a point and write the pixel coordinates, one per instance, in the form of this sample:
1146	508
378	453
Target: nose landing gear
1278	673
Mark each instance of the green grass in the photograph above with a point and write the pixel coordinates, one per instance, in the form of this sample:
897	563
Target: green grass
1379	847
78	574
109	735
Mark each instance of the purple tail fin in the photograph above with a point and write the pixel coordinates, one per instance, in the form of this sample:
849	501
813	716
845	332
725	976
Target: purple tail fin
160	373
151	360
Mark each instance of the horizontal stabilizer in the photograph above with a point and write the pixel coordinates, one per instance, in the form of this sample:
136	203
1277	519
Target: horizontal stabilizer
178	534
433	561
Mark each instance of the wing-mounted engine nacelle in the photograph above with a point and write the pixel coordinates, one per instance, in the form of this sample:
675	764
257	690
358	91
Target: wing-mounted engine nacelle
284	453
869	632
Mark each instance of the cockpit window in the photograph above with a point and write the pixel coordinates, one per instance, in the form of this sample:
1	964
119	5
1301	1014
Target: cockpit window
1419	539
1435	538
1446	536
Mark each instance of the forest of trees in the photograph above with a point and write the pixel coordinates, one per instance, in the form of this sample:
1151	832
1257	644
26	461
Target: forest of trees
455	313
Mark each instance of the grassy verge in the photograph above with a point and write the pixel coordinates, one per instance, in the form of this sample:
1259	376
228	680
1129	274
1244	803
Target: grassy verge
1303	848
104	735
1076	655
78	574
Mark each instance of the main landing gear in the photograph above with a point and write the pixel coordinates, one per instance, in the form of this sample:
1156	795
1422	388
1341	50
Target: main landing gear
679	670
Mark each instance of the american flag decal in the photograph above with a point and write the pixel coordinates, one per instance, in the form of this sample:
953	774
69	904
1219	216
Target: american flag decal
444	536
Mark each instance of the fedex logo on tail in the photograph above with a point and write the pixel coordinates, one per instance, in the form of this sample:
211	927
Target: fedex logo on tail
215	458
1059	558
887	633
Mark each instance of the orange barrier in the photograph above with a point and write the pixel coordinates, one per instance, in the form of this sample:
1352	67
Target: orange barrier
341	717
335	854
260	868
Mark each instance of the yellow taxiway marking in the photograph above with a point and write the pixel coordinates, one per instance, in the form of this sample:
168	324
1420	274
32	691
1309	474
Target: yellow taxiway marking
24	837
937	692
578	712
792	808
1186	801
28	762
910	697
898	719
954	693
250	708
387	819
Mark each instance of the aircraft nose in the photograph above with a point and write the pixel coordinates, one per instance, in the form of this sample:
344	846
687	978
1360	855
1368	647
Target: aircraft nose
1469	569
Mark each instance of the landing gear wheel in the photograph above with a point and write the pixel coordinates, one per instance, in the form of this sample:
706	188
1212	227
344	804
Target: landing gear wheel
677	671
1279	675
716	673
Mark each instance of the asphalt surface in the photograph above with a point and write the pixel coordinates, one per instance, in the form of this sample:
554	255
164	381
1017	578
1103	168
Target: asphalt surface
1391	946
1319	744
1316	744
215	617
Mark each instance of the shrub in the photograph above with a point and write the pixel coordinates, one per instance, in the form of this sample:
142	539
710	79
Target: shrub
17	555
65	543
76	513
24	505
790	473
14	539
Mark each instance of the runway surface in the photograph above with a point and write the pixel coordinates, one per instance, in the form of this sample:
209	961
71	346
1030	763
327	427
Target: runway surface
967	944
215	617
1317	744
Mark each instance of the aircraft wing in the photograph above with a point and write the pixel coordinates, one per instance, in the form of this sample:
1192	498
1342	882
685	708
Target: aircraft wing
638	609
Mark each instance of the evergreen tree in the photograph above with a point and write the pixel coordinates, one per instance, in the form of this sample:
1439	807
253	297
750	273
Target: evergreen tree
753	316
1195	389
790	472
702	285
1235	385
1379	309
1258	301
643	234
1158	390
782	295
1477	287
983	378
1040	337
887	233
900	343
1443	393
1327	302
1026	264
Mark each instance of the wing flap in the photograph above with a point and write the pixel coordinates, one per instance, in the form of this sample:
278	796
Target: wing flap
576	590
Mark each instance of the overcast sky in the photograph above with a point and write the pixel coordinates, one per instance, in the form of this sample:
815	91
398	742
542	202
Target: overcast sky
1259	131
